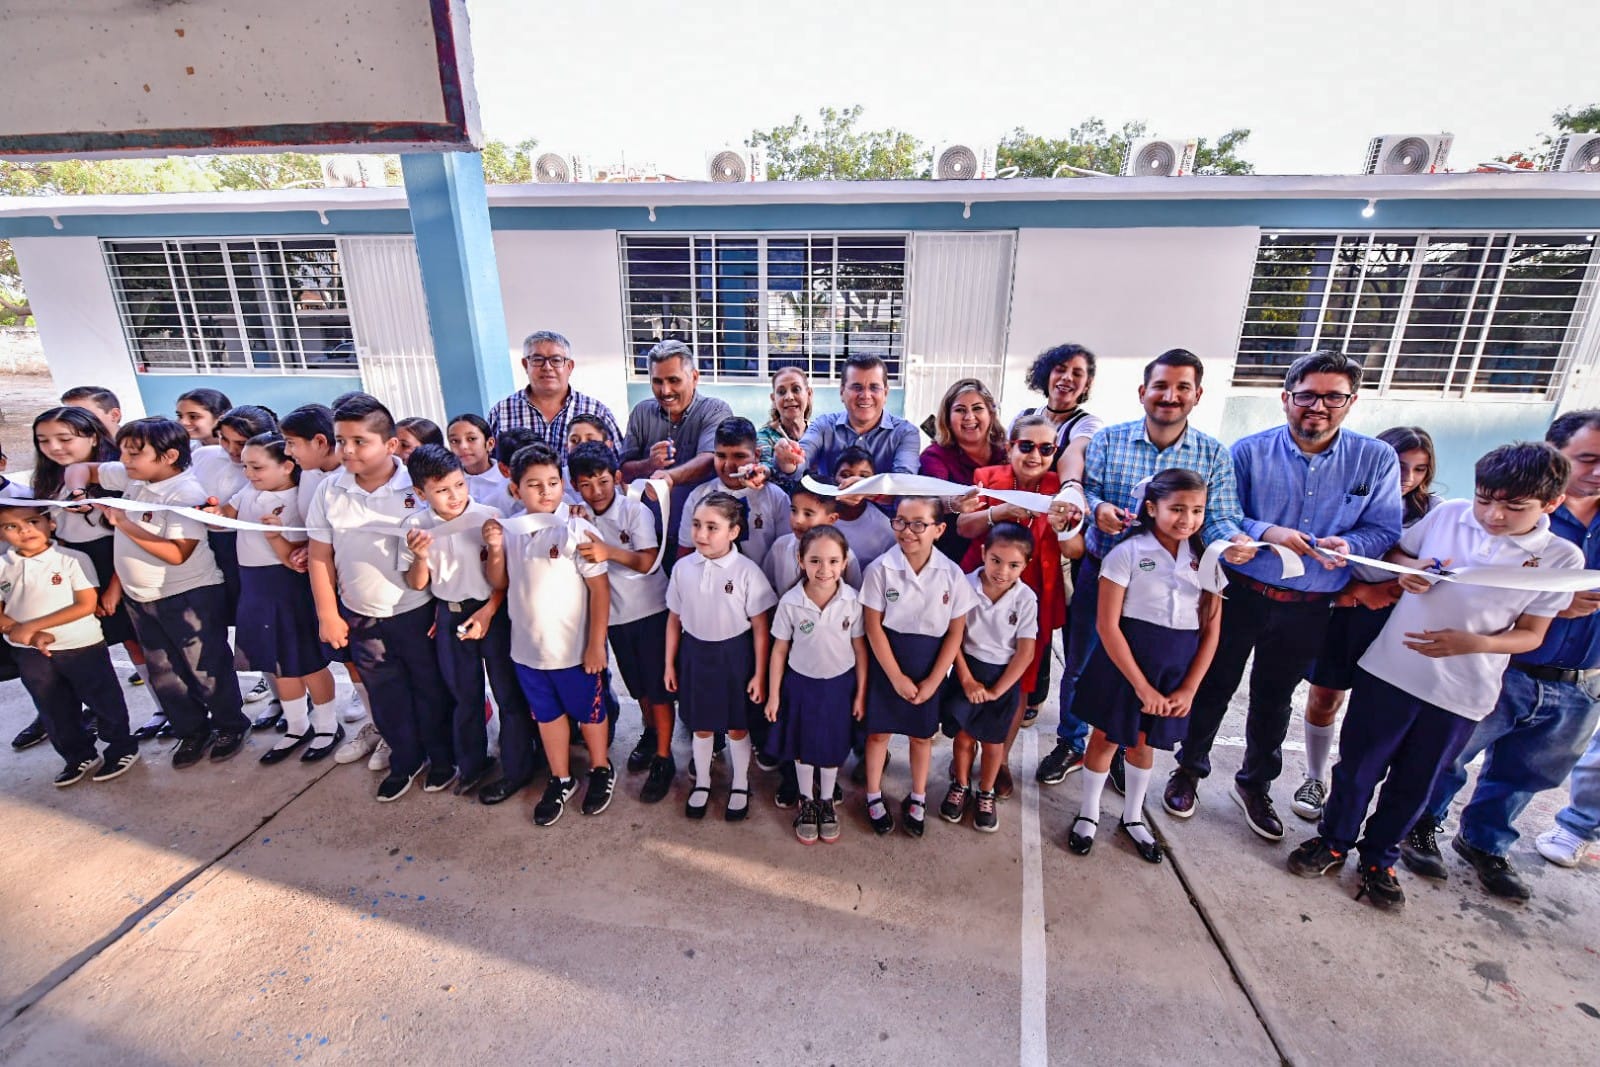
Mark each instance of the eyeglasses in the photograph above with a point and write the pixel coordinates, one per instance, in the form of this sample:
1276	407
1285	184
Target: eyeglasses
1332	401
1027	448
545	361
916	526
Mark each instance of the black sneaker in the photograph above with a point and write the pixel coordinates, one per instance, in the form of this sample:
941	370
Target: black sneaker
788	794
115	768
225	744
597	797
500	790
658	783
1259	812
73	773
1495	872
955	803
1118	776
1314	858
31	735
1379	885
766	762
984	817
1420	850
394	786
882	822
1058	763
914	816
1181	794
557	791
439	779
805	823
827	821
190	750
643	752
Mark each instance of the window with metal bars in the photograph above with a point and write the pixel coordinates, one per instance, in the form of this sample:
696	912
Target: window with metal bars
753	304
1441	315
232	305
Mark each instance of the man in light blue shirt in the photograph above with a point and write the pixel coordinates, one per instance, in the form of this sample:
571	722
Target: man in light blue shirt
893	442
1307	486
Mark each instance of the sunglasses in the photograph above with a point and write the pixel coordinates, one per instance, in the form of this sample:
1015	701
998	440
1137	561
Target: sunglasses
1027	448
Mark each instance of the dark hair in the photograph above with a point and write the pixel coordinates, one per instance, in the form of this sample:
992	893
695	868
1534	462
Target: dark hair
426	431
728	506
821	532
477	422
308	422
590	459
1009	533
864	363
735	431
367	411
213	400
537	454
98	395
48	475
344	398
161	434
1562	430
1522	471
932	501
589	418
272	443
509	442
829	503
1162	485
1320	362
1405	439
1050	359
430	462
249	420
945	436
853	455
1176	357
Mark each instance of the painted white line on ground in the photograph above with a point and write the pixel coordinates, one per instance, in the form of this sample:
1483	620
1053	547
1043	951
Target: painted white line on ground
1035	1044
1238	742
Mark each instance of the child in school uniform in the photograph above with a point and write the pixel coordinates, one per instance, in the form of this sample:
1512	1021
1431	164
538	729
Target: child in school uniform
818	684
413	433
508	443
916	603
197	411
100	402
997	649
1434	670
741	476
173	588
862	522
473	444
718	640
357	573
220	468
584	428
48	596
471	629
559	604
806	510
1158	632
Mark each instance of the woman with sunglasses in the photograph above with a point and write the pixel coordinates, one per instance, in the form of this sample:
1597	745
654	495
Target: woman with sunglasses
1032	454
969	435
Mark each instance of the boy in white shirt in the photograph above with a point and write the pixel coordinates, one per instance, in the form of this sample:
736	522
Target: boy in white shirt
1435	669
740	475
363	602
864	524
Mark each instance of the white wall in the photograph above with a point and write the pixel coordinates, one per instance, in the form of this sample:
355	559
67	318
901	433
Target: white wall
569	281
66	282
1128	295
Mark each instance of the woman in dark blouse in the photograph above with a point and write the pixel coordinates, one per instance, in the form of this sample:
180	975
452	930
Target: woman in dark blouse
969	435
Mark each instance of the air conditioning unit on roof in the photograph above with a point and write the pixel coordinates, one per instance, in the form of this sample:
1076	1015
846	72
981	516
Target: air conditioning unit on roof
558	168
737	165
353	172
1408	153
955	162
1575	152
1155	157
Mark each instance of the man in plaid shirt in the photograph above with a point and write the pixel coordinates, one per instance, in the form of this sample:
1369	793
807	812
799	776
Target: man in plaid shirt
548	403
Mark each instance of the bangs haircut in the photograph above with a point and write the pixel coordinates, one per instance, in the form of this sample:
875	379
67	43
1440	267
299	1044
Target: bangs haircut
508	443
537	454
429	463
591	459
1525	470
736	431
308	422
163	435
829	504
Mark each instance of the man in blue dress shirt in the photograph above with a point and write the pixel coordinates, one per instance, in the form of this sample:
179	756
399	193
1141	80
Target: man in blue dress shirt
1305	485
893	442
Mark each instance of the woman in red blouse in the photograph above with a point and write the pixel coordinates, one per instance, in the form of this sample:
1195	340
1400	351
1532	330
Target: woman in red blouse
969	436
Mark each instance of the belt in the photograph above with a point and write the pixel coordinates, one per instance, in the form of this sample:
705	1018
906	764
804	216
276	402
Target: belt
1554	674
1282	595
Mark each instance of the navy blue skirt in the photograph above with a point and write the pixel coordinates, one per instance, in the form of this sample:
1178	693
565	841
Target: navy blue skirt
277	628
887	713
990	721
814	719
116	627
1351	632
712	676
1105	699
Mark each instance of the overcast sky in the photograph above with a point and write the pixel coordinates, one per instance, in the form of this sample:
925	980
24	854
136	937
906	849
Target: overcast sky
1314	83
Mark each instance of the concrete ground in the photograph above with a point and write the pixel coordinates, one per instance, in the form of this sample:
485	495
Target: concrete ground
280	915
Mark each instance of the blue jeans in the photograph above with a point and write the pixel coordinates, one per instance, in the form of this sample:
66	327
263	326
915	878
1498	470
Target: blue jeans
1532	738
1582	815
1077	642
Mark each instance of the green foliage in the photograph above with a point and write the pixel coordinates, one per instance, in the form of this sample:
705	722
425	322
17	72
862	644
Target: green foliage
1092	145
837	149
14	309
505	164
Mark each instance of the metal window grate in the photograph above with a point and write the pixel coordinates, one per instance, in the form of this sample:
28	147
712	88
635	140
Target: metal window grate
242	305
1450	316
753	304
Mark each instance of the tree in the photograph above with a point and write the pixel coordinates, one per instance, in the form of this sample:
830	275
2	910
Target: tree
505	164
1567	120
1092	145
14	307
837	149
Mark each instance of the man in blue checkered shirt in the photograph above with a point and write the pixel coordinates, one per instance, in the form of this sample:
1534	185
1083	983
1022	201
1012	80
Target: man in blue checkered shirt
548	403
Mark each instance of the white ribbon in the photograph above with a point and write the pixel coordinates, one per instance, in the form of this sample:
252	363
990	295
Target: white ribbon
922	485
1529	579
635	492
1213	579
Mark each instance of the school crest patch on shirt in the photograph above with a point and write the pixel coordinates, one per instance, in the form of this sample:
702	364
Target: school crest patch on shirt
5	587
149	516
624	538
55	579
1013	618
946	598
411	500
1147	564
728	587
891	595
807	626
1534	562
555	551
758	522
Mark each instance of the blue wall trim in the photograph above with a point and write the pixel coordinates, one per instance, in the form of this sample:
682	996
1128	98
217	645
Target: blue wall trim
213	224
281	393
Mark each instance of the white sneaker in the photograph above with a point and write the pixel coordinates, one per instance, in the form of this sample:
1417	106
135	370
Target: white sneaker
380	757
1309	799
258	692
358	747
354	710
1561	846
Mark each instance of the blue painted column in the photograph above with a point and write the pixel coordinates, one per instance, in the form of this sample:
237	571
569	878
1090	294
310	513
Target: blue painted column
455	249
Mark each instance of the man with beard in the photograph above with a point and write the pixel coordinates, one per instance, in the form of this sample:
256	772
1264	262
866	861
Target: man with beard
1308	486
1547	709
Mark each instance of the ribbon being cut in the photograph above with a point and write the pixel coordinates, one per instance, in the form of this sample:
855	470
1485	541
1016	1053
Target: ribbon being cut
922	485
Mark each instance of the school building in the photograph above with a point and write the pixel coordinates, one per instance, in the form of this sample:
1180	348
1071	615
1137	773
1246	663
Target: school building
1470	295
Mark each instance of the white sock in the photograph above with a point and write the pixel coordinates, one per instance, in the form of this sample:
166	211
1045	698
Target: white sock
701	748
295	717
1133	802
806	775
1093	783
324	719
739	763
827	777
361	695
1319	746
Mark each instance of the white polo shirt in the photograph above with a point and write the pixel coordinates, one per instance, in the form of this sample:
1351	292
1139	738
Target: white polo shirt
820	638
370	565
33	587
914	603
1467	685
250	504
457	556
310	482
145	578
715	599
870	535
783	565
217	471
628	524
995	626
78	527
1161	589
548	598
492	488
769	516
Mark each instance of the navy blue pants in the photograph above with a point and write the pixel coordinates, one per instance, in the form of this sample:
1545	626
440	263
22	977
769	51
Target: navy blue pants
1387	732
1078	642
65	682
410	703
185	641
463	664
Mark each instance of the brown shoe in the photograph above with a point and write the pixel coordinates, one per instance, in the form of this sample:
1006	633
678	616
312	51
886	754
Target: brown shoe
1003	785
1179	798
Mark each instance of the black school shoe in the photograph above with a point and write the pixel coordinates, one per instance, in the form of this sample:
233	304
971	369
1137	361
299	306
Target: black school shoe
557	791
439	779
788	794
1058	763
319	749
658	783
602	786
1420	850
279	753
645	751
73	773
501	790
466	783
1495	872
913	816
269	718
225	744
1118	775
31	735
190	750
1379	885
152	728
394	786
1258	812
881	824
1314	858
